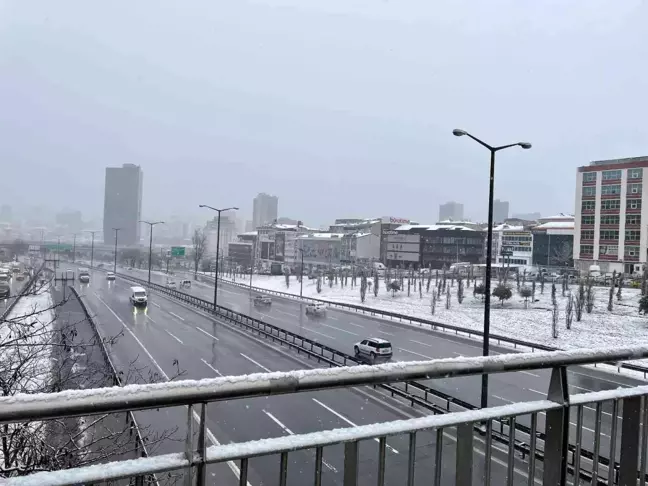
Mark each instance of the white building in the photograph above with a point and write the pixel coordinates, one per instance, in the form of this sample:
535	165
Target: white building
228	234
517	240
264	209
323	249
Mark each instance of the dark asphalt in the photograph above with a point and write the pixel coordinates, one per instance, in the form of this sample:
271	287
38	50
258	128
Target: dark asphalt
165	332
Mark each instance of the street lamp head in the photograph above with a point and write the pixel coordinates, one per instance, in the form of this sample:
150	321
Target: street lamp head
202	206
236	209
458	133
525	145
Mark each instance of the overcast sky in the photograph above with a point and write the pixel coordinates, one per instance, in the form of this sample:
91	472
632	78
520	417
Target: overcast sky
341	108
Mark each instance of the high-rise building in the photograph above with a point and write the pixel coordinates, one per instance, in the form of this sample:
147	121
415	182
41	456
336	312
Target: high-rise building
451	210
123	204
500	211
227	235
609	225
265	209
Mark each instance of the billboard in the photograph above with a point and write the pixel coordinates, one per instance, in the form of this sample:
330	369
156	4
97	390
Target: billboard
280	246
401	238
402	256
403	247
394	220
321	251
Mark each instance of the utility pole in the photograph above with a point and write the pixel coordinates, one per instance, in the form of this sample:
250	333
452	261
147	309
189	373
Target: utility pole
151	224
116	230
92	232
74	248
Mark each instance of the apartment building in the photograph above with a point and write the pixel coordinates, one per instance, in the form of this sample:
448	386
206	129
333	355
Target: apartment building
609	225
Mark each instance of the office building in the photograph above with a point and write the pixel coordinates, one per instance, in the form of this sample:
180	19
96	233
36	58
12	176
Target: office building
227	235
452	211
123	204
500	211
265	209
609	224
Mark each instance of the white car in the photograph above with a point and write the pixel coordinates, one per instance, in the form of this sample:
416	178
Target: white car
262	300
315	309
171	284
110	276
374	347
138	296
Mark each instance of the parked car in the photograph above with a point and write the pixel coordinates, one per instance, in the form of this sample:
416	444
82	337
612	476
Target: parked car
373	347
262	300
315	309
110	276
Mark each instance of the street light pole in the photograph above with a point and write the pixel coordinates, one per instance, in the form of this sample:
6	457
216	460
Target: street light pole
301	279
92	232
489	248
74	248
151	224
219	211
116	230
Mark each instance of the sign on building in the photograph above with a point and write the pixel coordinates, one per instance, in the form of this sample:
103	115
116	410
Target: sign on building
403	257
178	251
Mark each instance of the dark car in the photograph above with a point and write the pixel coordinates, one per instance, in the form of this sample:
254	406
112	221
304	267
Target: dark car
5	290
262	300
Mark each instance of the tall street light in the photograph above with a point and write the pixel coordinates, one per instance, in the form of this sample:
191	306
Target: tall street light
92	232
74	248
116	230
219	211
489	247
301	278
151	224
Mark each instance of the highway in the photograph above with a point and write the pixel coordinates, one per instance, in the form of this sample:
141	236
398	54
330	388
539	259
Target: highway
168	337
340	329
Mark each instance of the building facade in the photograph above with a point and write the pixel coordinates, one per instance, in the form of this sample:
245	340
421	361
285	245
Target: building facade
320	249
123	204
553	241
518	240
609	225
500	211
227	234
453	211
264	210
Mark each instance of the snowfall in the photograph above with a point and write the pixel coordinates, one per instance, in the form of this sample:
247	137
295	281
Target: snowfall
623	326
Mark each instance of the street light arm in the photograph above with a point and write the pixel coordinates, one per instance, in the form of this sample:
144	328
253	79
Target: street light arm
216	209
481	142
502	147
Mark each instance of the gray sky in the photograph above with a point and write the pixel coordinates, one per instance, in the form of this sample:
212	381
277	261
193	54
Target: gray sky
342	108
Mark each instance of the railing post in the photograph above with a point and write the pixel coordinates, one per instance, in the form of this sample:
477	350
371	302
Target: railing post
630	428
557	430
350	464
188	473
201	469
464	469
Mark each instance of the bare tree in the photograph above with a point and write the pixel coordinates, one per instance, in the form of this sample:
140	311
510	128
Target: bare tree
554	320
199	243
569	311
562	255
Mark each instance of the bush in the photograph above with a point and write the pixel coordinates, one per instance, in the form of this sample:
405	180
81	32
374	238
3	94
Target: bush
526	293
643	305
502	292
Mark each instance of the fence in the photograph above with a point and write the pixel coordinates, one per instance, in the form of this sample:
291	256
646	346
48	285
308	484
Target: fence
629	402
412	392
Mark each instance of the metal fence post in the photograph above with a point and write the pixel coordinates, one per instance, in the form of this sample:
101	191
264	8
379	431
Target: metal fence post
188	473
464	469
350	464
557	430
630	428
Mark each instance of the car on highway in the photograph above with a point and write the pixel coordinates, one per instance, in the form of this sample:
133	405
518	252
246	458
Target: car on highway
171	284
110	276
138	296
374	348
130	268
84	275
20	277
262	300
185	284
5	290
315	309
5	277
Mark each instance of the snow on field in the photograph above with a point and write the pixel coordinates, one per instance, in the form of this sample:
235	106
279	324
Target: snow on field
621	327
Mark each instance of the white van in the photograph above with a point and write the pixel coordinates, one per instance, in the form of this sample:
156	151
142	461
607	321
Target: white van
138	296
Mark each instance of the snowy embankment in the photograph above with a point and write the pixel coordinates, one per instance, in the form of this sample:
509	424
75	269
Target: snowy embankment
623	326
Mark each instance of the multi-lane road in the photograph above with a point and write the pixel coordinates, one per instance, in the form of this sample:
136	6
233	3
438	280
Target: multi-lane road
168	339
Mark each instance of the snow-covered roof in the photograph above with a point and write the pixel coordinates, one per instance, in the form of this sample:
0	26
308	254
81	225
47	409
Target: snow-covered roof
453	222
322	235
433	227
508	227
558	217
249	233
556	225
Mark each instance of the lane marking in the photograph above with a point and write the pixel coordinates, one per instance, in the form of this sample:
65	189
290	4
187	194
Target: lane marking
334	318
581	388
317	332
421	343
287	313
156	305
356	325
211	367
624	385
529	373
174	337
256	363
503	399
339	329
231	464
210	335
387	333
290	432
150	319
176	316
414	353
343	418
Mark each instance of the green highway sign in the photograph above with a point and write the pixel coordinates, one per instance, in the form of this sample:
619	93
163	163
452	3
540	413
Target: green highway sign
177	251
56	246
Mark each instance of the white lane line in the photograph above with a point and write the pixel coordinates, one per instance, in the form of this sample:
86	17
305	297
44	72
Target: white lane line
150	319
290	432
343	418
176	316
458	354
536	391
421	343
339	329
414	353
529	373
211	367
386	333
156	305
354	324
334	318
232	465
287	313
503	399
174	337
205	332
604	413
317	332
258	364
624	385
580	388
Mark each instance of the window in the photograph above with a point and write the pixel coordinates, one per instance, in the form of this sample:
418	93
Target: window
609	235
589	191
587	234
586	250
633	204
635	173
611	190
608	250
588	205
610	219
589	176
635	188
633	219
631	251
632	235
611	175
608	204
587	220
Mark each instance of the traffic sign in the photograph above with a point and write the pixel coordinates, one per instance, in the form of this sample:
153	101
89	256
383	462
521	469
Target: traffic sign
177	251
59	247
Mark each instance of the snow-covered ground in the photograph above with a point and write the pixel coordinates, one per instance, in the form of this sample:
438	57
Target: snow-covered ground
621	327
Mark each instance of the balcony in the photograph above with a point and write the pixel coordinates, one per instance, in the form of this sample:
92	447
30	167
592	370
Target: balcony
516	437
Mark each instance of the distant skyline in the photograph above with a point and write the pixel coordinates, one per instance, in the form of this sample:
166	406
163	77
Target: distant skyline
354	124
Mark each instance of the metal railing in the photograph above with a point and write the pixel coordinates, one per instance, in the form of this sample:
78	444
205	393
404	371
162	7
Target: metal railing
629	402
433	325
412	392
